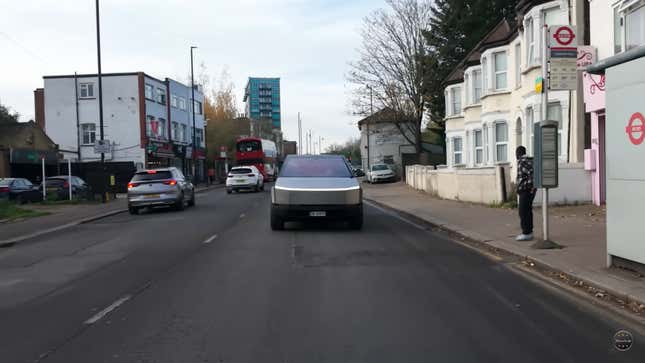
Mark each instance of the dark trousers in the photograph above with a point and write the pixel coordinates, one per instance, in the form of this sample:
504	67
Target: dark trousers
526	211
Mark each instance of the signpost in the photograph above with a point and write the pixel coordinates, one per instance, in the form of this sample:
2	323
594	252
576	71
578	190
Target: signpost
559	68
102	147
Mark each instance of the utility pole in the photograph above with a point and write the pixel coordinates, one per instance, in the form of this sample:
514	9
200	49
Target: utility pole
299	135
367	127
192	90
98	55
545	110
319	145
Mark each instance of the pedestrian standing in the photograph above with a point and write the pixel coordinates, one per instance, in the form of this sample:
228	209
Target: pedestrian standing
525	192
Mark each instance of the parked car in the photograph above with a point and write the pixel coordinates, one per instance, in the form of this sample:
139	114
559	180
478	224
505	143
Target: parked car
358	172
380	173
244	178
59	186
19	190
160	187
316	187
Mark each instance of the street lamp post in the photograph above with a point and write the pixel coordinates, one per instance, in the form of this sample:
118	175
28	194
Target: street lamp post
367	127
98	55
192	90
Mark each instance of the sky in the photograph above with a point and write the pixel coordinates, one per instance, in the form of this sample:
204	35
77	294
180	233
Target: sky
307	43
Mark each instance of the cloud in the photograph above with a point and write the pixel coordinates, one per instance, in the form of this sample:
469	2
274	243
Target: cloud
305	42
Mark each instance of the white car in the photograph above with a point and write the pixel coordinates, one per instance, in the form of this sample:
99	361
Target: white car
244	178
380	172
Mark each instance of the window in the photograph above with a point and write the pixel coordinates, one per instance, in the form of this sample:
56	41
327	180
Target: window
161	96
335	167
388	159
499	59
156	127
484	73
635	28
501	142
175	131
184	133
554	113
88	134
198	107
618	31
455	99
477	86
86	90
530	41
530	124
486	147
447	100
457	150
467	88
518	61
199	136
479	147
149	90
173	101
182	103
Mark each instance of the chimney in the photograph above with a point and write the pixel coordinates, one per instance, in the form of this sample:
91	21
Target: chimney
39	106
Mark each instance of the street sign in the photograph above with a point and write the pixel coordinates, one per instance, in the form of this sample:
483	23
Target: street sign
539	85
102	147
586	57
563	58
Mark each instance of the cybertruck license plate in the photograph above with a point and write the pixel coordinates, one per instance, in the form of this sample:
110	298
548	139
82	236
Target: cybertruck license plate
317	214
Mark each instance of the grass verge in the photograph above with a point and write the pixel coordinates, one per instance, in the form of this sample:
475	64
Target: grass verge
10	211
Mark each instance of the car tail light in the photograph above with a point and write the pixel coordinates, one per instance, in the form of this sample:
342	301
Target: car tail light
251	174
170	182
131	185
152	172
65	185
4	189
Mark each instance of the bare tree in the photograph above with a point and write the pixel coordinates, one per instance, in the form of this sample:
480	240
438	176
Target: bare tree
391	64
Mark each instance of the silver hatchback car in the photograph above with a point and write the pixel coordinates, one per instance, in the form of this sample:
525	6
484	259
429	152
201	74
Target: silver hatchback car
160	187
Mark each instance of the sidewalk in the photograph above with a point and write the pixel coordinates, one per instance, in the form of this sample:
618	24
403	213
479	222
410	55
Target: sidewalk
579	229
65	216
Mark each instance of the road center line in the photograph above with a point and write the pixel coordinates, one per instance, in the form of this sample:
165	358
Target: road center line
101	314
210	239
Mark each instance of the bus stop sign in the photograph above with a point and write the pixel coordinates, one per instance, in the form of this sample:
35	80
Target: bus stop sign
636	128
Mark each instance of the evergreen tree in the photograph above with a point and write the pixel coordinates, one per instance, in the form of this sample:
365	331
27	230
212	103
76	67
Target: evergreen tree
455	28
6	116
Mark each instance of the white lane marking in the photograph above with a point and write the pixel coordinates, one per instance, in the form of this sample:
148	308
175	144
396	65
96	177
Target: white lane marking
210	239
396	215
242	215
101	314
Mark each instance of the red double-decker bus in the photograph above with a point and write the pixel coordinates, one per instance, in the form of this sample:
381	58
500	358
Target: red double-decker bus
259	152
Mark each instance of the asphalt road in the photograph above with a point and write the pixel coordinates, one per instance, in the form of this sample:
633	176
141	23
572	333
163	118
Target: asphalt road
215	284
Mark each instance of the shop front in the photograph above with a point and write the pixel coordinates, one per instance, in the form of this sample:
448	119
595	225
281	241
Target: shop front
159	155
594	96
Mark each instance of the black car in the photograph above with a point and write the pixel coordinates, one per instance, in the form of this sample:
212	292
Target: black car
59	187
20	190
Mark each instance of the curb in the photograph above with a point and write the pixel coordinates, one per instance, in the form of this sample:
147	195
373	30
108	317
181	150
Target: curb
15	240
543	265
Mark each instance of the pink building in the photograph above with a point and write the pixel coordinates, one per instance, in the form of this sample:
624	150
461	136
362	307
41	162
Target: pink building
594	96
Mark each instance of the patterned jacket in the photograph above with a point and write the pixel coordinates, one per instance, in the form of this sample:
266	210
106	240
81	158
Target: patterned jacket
524	180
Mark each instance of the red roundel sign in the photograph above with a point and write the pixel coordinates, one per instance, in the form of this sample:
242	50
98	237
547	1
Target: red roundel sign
564	35
636	128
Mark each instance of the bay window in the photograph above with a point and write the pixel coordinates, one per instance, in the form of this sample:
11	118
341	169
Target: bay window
529	34
500	66
479	147
477	86
501	142
518	61
486	146
484	75
457	150
635	28
455	100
